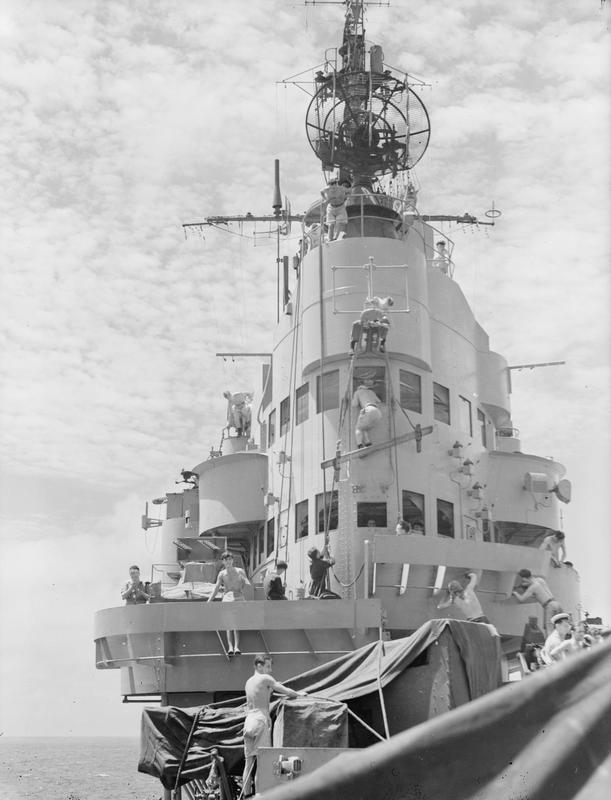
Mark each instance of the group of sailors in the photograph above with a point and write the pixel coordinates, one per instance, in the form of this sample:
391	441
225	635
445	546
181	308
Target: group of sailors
557	641
232	580
565	639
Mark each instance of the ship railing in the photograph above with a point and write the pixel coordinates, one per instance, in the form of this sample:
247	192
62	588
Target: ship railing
434	259
377	214
368	286
369	214
506	432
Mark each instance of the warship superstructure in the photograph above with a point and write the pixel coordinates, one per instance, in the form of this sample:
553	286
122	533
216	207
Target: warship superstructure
445	456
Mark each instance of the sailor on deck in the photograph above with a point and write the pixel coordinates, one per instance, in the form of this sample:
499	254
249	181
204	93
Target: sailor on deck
273	587
232	580
335	196
535	588
320	564
442	259
369	416
239	411
134	591
554	543
557	647
466	600
257	725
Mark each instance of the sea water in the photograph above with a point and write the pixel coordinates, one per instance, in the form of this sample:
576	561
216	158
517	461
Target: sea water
73	768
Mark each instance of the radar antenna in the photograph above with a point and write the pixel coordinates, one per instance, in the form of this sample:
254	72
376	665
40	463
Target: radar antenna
363	119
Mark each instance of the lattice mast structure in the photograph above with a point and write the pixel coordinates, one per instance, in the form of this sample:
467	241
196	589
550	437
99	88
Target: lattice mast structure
363	120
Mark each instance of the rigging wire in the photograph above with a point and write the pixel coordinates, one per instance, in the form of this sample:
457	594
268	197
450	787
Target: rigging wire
322	361
242	292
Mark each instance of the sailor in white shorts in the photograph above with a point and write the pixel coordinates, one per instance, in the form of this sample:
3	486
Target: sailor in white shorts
335	195
232	580
257	725
369	416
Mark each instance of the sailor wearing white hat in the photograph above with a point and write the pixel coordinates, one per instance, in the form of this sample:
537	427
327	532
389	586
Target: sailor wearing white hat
560	643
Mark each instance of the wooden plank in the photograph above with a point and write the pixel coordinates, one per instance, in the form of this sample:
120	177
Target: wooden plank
363	452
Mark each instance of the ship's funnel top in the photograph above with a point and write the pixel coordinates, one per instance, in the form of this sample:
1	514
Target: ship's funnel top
362	118
277	201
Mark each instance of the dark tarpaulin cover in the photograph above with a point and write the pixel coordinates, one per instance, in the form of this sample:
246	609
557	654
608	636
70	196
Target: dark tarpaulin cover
545	737
306	722
165	730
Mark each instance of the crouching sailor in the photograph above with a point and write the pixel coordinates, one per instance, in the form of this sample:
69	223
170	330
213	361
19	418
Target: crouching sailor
257	725
239	411
369	416
373	319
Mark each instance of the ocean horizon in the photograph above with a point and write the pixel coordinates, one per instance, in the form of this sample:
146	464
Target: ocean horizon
73	768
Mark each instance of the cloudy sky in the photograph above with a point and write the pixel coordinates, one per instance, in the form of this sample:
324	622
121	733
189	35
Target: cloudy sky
122	120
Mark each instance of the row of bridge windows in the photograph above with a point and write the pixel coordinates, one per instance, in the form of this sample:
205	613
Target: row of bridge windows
368	514
374	514
410	398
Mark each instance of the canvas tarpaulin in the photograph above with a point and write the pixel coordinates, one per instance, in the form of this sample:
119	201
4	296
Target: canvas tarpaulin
547	736
165	731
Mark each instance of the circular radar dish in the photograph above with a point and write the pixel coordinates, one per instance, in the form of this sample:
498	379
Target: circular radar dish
368	123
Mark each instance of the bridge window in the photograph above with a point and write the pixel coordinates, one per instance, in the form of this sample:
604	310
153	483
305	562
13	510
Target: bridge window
301	520
329	508
464	410
270	536
412	509
441	401
371	515
410	391
301	403
374	377
285	415
328	397
261	543
271	428
445	518
481	421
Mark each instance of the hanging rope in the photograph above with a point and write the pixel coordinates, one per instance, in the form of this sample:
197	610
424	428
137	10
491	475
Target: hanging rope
346	400
267	379
352	582
292	388
394	452
328	507
321	321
